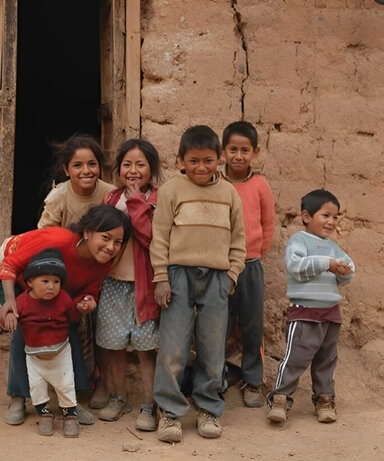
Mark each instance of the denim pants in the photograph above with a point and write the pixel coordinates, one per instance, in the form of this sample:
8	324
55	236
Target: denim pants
198	310
247	305
18	385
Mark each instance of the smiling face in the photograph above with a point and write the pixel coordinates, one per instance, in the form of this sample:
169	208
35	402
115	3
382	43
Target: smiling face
102	246
200	165
44	287
83	170
323	222
135	168
238	154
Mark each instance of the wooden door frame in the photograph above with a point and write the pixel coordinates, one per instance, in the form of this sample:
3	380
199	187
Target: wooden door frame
120	44
8	44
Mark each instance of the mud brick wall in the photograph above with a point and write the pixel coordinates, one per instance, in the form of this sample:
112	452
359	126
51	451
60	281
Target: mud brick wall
310	75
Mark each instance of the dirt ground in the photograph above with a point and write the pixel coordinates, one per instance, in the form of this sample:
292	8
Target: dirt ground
357	435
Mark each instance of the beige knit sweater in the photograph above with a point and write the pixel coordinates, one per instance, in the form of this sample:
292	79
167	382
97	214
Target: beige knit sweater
63	207
200	226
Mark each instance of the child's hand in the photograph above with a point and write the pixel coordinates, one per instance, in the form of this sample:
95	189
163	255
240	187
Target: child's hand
339	267
87	304
10	322
163	294
7	307
132	187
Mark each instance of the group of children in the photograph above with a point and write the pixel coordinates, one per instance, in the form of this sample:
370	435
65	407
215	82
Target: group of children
192	267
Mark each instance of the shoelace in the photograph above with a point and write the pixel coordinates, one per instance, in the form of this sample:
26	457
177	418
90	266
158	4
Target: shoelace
208	418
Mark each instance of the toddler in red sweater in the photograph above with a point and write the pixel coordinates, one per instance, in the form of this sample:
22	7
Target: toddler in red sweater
240	147
45	311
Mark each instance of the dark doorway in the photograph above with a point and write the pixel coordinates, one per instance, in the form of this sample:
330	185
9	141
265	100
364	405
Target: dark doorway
58	92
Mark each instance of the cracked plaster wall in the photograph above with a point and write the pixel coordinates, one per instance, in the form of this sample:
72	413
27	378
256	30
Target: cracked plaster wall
310	75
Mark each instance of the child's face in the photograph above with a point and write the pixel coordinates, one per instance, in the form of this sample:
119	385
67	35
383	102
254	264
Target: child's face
44	287
84	170
323	222
103	246
238	154
200	165
135	169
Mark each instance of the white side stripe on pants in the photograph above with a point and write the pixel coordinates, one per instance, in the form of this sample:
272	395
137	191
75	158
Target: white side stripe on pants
291	332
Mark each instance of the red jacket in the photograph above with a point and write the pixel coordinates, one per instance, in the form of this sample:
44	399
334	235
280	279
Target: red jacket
85	276
140	211
45	323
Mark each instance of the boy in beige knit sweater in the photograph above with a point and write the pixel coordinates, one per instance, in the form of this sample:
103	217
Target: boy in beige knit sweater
197	253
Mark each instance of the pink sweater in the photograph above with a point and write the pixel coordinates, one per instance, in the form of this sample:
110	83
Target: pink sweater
259	214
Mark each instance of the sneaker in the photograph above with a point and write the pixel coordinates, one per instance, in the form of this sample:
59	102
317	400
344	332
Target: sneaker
278	410
45	424
147	419
169	429
70	426
253	396
117	406
208	426
84	416
99	399
15	413
325	408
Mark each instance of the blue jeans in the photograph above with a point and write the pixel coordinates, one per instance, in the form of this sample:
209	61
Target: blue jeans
18	385
247	305
199	308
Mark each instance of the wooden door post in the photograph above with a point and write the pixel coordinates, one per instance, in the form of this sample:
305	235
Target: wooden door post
8	41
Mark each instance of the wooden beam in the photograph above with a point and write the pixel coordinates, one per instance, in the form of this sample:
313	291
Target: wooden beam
7	113
133	67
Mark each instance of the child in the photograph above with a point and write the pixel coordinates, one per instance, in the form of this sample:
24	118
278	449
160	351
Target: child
81	159
197	253
239	149
127	312
88	252
315	266
44	313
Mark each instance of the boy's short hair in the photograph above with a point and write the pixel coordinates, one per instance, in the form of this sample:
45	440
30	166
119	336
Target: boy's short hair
199	137
313	201
241	128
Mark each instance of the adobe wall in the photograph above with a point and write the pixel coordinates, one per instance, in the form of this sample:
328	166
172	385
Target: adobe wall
310	75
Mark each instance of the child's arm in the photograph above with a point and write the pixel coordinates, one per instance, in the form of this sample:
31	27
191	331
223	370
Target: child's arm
159	248
344	269
267	216
52	213
237	251
301	266
141	213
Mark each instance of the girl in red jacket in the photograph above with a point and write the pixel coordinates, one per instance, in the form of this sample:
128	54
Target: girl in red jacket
127	312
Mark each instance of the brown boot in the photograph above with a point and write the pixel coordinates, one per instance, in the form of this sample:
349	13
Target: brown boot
278	410
45	424
70	426
325	408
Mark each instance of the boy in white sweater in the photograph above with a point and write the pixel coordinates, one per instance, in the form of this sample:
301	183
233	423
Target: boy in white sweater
315	266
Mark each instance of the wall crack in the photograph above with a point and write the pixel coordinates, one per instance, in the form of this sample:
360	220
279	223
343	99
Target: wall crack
240	30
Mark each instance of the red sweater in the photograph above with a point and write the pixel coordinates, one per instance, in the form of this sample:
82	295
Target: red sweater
45	323
140	212
259	214
84	276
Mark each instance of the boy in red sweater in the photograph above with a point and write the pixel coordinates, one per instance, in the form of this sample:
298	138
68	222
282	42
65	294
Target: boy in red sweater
240	147
45	312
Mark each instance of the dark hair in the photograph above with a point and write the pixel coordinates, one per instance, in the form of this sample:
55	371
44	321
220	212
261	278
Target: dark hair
65	151
102	218
199	137
313	201
245	129
148	150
